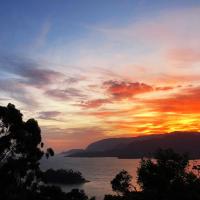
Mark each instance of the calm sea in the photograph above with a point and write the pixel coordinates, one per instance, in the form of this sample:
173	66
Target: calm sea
99	171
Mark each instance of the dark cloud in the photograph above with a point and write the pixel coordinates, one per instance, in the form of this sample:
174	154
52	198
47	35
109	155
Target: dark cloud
17	91
29	71
49	115
41	77
65	94
72	80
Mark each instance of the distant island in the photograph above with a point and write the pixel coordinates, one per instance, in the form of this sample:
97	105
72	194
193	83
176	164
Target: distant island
62	176
142	146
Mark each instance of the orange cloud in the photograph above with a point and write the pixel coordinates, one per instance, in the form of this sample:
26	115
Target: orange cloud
121	90
185	102
164	88
180	111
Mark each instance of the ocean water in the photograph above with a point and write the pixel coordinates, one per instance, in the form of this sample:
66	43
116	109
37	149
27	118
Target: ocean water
99	171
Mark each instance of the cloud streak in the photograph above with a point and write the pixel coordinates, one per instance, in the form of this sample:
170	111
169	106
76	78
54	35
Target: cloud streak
49	115
65	94
30	72
121	90
17	91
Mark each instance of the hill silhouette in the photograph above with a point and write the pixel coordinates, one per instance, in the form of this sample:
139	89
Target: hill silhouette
137	147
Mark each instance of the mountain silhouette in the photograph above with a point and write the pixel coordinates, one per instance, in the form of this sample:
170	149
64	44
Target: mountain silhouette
142	146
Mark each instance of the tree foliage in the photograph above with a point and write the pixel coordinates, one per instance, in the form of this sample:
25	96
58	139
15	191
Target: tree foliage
168	177
165	177
20	152
122	182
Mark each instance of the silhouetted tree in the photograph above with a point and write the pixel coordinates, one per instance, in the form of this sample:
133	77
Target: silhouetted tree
122	182
20	152
167	177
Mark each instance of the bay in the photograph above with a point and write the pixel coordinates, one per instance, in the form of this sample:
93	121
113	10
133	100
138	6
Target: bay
99	171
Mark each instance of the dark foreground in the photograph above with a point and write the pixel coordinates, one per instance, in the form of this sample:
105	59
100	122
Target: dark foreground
166	177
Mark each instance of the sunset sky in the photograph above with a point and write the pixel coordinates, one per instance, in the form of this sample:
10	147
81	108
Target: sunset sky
93	69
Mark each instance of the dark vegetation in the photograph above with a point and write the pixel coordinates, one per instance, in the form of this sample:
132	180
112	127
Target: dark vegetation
21	148
63	176
121	184
143	146
166	177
